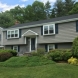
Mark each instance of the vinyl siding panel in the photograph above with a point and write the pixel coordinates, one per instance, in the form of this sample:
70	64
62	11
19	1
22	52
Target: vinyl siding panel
13	41
66	33
65	46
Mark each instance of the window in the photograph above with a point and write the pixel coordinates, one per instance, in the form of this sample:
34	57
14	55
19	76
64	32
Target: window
49	29
51	47
15	48
13	34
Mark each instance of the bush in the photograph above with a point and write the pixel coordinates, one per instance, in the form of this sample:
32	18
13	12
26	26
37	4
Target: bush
75	47
40	52
4	56
14	53
60	55
73	61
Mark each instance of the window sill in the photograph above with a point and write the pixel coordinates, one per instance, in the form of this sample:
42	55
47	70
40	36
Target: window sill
13	38
48	34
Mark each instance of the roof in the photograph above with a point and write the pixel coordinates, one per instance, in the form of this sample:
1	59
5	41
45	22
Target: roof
46	21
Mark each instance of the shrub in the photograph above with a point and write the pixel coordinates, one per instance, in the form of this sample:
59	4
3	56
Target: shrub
60	55
4	56
40	52
14	53
75	47
73	61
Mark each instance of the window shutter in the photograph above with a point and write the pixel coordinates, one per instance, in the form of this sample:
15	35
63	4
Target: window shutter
76	26
56	28
0	37
18	48
56	46
19	33
41	30
6	34
46	47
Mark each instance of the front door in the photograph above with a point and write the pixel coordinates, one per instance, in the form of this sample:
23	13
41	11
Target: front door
32	44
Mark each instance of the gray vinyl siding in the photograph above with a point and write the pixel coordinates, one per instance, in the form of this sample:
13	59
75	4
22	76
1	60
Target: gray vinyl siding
13	41
64	46
8	47
59	46
66	33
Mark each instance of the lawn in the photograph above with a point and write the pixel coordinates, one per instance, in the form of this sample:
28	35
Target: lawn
57	70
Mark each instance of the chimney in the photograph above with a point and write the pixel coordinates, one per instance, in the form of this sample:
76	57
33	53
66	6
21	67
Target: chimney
16	22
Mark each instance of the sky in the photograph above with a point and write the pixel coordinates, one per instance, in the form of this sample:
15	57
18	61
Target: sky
8	4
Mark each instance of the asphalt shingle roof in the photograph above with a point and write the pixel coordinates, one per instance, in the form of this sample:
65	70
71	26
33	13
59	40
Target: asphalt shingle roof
45	21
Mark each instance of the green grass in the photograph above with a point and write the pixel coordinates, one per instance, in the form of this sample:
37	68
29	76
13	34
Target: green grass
26	61
36	67
45	71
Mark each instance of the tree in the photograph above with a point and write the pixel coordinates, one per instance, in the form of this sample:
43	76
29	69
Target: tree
29	14
6	19
75	47
39	11
47	9
59	8
74	10
68	5
18	13
53	14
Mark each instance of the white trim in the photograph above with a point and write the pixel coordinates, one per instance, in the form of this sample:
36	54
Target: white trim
52	45
25	40
14	47
30	31
48	29
30	45
36	43
36	25
14	33
1	46
1	36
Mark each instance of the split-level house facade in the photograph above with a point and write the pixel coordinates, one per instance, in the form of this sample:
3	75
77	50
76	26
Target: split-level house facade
56	33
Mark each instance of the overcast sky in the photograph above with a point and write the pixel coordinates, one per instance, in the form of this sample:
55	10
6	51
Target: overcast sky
8	4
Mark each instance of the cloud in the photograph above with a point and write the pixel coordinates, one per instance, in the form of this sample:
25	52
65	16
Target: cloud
51	1
4	6
24	0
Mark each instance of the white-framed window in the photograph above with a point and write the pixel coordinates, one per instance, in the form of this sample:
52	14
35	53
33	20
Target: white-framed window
51	47
13	34
49	29
15	48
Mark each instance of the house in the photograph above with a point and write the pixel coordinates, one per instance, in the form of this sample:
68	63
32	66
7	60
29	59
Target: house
56	33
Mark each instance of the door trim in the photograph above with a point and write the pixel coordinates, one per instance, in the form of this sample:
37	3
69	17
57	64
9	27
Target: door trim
35	44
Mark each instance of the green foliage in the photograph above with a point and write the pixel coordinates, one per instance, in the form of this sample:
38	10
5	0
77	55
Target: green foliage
74	10
75	47
40	52
14	53
6	19
47	9
26	61
60	55
37	11
68	6
4	56
73	61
